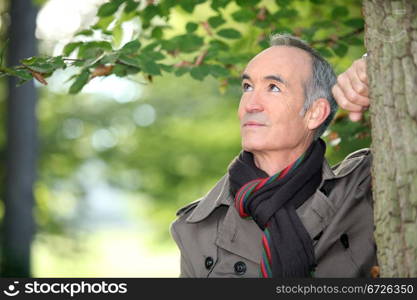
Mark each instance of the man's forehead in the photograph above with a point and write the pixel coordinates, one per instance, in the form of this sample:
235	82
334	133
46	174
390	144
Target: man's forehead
281	59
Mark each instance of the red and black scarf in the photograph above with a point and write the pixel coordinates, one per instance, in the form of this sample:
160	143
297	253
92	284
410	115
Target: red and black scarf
271	201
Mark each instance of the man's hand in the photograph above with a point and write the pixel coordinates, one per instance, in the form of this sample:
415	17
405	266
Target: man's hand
351	89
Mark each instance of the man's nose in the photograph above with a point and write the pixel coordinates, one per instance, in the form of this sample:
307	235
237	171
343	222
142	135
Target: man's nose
254	103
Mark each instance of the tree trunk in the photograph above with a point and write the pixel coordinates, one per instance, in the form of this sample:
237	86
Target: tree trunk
21	145
391	41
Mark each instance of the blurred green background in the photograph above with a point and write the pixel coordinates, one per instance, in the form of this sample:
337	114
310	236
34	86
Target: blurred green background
119	159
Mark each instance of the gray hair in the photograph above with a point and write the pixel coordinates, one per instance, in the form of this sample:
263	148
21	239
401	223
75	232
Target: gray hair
321	81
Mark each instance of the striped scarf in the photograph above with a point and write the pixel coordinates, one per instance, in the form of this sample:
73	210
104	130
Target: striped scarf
271	202
241	201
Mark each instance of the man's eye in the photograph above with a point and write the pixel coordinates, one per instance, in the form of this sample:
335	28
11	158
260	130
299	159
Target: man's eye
246	87
274	88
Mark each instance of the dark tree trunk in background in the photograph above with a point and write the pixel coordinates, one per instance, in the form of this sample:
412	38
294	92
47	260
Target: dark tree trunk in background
391	41
21	147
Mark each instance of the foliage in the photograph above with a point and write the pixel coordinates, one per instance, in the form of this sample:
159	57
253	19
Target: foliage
218	40
163	164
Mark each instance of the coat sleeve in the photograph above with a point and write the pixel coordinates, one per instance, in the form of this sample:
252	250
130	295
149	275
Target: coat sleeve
186	270
366	186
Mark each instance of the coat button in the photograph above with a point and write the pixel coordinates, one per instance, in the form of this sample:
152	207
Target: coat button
344	239
209	262
240	268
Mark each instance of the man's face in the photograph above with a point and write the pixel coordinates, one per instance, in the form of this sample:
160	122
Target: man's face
272	99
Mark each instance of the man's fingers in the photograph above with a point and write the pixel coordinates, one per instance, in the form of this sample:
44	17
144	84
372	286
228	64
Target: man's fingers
344	83
358	85
360	66
355	116
343	101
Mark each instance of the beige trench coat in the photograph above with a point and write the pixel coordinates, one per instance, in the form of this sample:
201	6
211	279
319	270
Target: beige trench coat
215	241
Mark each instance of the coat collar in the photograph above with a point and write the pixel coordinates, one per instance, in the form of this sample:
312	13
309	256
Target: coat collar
220	195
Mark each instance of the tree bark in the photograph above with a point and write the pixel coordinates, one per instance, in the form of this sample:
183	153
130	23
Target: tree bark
391	41
21	147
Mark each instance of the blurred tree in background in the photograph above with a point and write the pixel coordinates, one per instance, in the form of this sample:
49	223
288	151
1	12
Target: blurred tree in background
21	147
120	157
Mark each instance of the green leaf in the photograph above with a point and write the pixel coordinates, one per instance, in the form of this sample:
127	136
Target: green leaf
309	32
131	6
353	40
42	68
249	3
200	72
181	71
218	71
123	70
93	49
166	6
103	23
69	48
117	34
229	33
22	74
132	70
148	66
191	43
216	21
323	24
157	33
234	81
149	12
128	16
263	44
244	15
43	65
340	49
150	46
79	63
130	47
86	32
31	60
355	23
191	27
58	62
153	55
339	11
216	4
283	3
109	8
166	68
131	61
233	59
109	59
120	70
219	45
325	52
169	45
286	13
80	81
185	43
189	5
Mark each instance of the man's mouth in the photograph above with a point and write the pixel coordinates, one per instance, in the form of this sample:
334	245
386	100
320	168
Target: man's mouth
253	124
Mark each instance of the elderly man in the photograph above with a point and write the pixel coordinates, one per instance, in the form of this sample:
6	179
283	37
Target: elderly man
281	210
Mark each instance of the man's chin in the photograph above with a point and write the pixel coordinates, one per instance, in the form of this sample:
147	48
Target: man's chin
252	146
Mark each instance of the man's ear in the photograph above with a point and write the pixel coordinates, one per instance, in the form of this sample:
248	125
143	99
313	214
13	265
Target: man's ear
318	113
